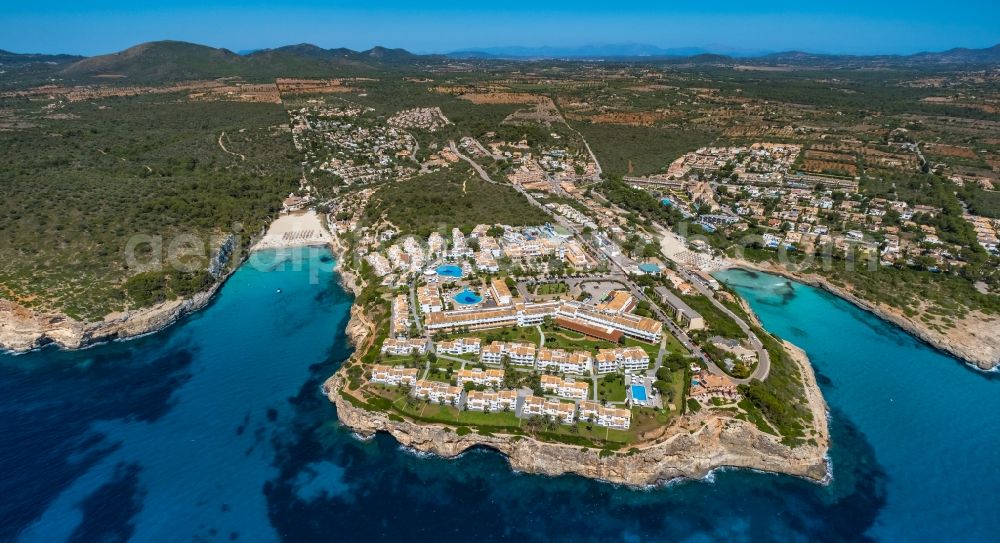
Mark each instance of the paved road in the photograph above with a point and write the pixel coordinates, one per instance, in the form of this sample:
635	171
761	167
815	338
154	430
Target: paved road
763	357
413	306
475	165
763	366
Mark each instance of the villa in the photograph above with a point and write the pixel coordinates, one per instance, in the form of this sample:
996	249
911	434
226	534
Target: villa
707	386
503	400
736	349
394	376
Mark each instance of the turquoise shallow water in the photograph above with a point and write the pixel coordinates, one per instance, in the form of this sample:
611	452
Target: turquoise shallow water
930	419
216	430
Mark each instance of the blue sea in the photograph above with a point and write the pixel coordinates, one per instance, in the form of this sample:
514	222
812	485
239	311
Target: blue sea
216	430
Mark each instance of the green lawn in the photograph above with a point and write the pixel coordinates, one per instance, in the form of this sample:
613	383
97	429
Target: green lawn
526	334
551	288
674	346
652	349
452	415
554	341
611	388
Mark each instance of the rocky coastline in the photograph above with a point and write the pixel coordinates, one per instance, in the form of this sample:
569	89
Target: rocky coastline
974	345
705	442
22	330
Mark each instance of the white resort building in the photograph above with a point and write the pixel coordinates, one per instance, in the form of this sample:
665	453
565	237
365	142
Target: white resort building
489	378
566	388
394	376
609	417
521	354
400	347
503	400
437	392
460	345
629	359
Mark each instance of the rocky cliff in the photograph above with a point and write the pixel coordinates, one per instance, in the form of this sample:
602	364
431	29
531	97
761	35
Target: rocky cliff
702	443
22	330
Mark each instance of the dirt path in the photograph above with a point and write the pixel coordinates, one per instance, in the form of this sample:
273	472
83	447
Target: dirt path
227	151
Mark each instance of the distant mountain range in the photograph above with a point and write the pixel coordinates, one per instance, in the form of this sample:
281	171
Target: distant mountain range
634	51
175	60
8	58
602	51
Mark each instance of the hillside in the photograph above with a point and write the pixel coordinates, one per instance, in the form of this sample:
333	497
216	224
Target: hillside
452	198
174	61
162	60
79	186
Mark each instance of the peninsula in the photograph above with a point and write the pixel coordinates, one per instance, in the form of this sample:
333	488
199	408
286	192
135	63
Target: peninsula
531	252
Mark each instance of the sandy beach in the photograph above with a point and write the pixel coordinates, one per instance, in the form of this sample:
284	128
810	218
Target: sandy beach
295	230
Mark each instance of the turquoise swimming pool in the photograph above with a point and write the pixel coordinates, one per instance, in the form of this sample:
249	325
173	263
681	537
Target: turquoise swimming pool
649	268
449	270
639	393
467	297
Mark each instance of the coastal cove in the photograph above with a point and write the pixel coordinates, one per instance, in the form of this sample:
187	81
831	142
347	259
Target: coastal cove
216	429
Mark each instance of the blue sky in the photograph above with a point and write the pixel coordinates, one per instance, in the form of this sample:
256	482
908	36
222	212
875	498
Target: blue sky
844	26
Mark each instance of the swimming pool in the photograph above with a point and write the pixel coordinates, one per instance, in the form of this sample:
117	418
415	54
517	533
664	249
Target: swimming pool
467	297
649	268
639	393
449	270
